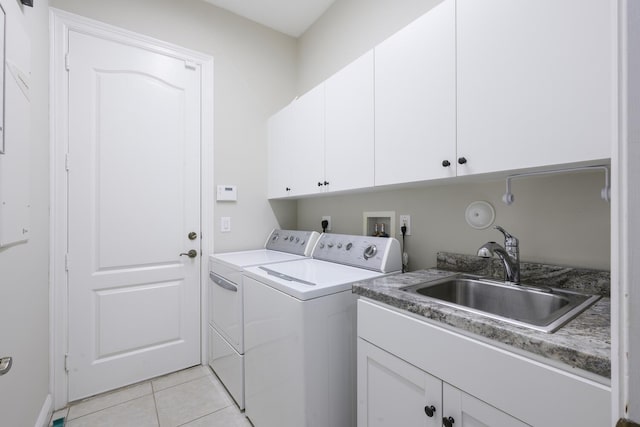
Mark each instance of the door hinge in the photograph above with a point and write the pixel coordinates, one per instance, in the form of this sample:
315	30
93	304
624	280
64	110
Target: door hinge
66	161
190	64
66	61
66	261
66	362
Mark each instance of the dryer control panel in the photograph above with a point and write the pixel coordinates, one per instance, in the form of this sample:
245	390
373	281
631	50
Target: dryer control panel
292	241
373	253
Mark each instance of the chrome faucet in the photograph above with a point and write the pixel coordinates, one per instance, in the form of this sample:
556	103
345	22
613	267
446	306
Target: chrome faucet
509	255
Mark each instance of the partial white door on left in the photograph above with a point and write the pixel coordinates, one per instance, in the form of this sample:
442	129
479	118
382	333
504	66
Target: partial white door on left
134	197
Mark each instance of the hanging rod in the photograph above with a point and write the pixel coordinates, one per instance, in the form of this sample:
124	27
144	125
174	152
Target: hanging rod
605	193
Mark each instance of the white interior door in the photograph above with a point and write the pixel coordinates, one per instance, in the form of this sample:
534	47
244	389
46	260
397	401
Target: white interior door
134	196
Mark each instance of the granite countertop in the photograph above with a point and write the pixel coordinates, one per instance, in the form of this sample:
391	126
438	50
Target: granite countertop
583	343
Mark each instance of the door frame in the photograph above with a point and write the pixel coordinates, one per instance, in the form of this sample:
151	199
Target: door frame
60	23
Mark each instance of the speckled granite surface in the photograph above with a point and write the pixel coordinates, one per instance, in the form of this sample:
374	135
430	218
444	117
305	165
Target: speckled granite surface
593	281
583	343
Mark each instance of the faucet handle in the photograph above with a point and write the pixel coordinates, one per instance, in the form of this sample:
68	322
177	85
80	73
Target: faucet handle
509	240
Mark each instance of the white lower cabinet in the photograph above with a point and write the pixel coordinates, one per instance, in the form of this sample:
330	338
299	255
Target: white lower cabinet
392	392
415	373
463	410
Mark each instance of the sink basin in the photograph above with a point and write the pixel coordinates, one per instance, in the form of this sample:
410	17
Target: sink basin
542	309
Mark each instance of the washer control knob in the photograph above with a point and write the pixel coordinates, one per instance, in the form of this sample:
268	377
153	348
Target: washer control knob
321	245
349	246
275	237
297	239
330	244
339	245
302	242
370	251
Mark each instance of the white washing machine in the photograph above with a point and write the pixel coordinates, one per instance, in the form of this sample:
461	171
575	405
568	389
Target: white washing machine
226	325
300	332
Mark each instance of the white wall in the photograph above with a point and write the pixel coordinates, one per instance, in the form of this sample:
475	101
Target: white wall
254	76
348	29
24	268
559	220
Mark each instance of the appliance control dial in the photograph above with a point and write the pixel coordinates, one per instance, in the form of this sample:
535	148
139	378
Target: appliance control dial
339	245
349	246
370	251
321	245
275	237
330	244
302	242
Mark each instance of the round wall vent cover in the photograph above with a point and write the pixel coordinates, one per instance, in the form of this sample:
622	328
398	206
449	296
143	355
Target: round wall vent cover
480	215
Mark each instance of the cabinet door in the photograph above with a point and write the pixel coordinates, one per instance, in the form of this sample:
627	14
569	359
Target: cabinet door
307	152
349	143
535	82
280	140
391	392
415	86
467	411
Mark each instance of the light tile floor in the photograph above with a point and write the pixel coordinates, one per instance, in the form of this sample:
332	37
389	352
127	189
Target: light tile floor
193	397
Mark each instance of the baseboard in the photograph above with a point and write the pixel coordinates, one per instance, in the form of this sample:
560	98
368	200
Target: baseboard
45	412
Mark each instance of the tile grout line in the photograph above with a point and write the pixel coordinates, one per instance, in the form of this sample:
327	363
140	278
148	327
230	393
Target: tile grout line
108	407
202	416
153	393
155	404
111	406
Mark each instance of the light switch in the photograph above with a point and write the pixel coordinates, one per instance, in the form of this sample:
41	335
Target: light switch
225	224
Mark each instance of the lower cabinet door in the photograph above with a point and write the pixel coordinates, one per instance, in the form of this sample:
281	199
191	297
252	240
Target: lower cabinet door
463	410
392	392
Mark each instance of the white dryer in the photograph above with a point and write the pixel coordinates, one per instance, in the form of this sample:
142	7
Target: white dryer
300	332
226	294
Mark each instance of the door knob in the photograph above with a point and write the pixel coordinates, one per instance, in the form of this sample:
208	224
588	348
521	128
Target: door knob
5	365
193	235
191	254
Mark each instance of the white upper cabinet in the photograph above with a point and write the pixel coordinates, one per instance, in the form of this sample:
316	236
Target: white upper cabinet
471	87
296	147
307	156
280	131
535	82
415	112
349	141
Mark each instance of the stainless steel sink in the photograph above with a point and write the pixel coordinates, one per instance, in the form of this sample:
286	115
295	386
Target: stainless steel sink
542	309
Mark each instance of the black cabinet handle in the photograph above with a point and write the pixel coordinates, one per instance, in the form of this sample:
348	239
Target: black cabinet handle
462	160
288	189
446	163
429	410
448	422
320	184
326	183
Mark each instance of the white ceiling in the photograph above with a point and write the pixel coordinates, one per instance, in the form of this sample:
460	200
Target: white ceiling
291	17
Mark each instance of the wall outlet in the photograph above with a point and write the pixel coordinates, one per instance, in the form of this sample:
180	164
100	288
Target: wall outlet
406	221
328	218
